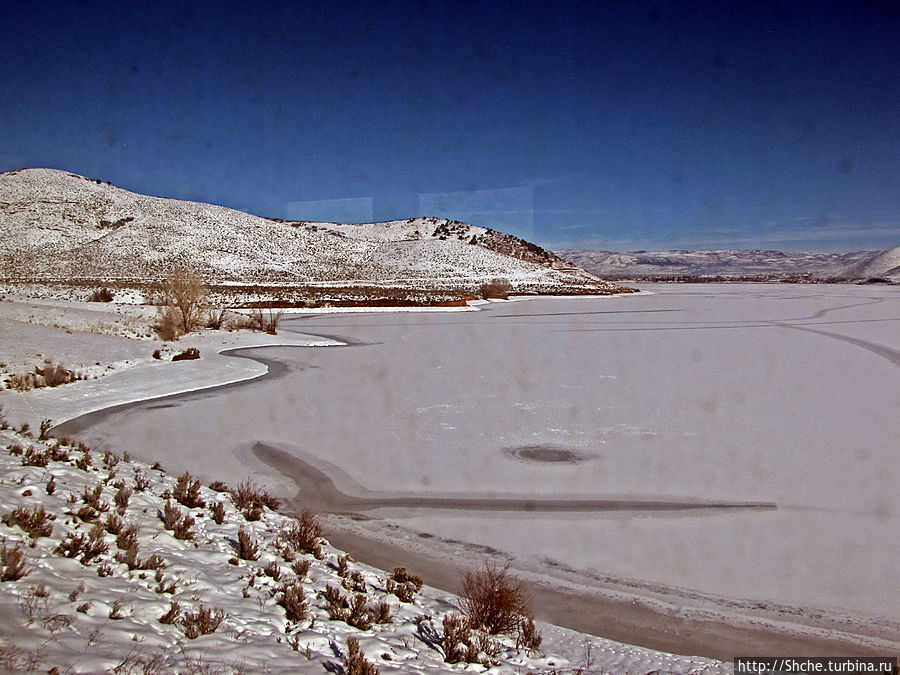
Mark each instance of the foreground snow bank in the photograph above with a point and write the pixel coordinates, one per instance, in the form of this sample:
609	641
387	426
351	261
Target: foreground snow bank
87	604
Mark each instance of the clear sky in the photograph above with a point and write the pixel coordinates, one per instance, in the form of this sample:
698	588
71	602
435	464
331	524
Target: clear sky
617	125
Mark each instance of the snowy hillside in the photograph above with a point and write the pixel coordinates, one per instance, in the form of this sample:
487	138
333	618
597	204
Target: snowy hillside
59	226
860	265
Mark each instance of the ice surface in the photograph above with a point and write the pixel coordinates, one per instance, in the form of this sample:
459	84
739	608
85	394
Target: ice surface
761	393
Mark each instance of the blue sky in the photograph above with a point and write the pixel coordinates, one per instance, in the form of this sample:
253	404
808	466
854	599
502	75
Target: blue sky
605	125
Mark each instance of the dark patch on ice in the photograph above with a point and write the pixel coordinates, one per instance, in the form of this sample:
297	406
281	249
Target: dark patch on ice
318	491
546	453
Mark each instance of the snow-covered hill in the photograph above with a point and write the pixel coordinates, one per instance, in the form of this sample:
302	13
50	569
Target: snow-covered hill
60	226
857	266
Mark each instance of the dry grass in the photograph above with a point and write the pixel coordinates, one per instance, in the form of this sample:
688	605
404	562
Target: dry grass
493	600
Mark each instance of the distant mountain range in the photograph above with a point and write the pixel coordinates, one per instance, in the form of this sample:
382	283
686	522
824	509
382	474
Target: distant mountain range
740	265
59	226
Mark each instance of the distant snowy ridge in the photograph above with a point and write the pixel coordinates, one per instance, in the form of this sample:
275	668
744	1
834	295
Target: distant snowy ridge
857	266
56	225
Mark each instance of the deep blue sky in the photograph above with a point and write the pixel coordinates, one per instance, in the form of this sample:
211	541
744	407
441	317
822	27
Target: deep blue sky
608	125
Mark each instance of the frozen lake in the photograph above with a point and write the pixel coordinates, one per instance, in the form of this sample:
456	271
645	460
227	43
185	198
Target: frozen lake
598	424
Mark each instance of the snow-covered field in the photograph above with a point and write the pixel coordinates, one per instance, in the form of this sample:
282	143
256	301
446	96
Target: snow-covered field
602	425
99	615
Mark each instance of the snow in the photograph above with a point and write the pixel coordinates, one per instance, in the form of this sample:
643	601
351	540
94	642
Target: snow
64	614
720	393
40	620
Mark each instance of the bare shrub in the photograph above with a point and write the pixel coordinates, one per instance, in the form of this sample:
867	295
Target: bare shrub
121	498
51	485
355	582
305	533
141	482
12	563
293	601
528	635
92	498
53	375
273	570
96	544
249	496
110	459
72	545
359	615
171	515
167	324
403	584
218	513
182	529
34	457
126	537
44	430
174	520
204	621
184	291
218	486
85	461
456	641
34	521
116	612
215	317
172	615
247	548
495	288
343	567
187	491
102	295
266	319
335	603
493	600
383	612
88	514
356	663
301	568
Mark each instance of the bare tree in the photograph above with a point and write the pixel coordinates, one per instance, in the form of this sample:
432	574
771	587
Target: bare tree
184	290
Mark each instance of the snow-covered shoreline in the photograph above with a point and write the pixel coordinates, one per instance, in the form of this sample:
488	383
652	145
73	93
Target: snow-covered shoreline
101	643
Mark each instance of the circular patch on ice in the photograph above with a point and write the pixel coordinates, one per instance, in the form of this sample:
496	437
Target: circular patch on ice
549	454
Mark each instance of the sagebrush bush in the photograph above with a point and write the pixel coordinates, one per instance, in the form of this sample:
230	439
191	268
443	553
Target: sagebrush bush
187	491
250	499
356	663
247	548
293	601
204	621
456	641
218	513
304	534
493	600
12	563
34	521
